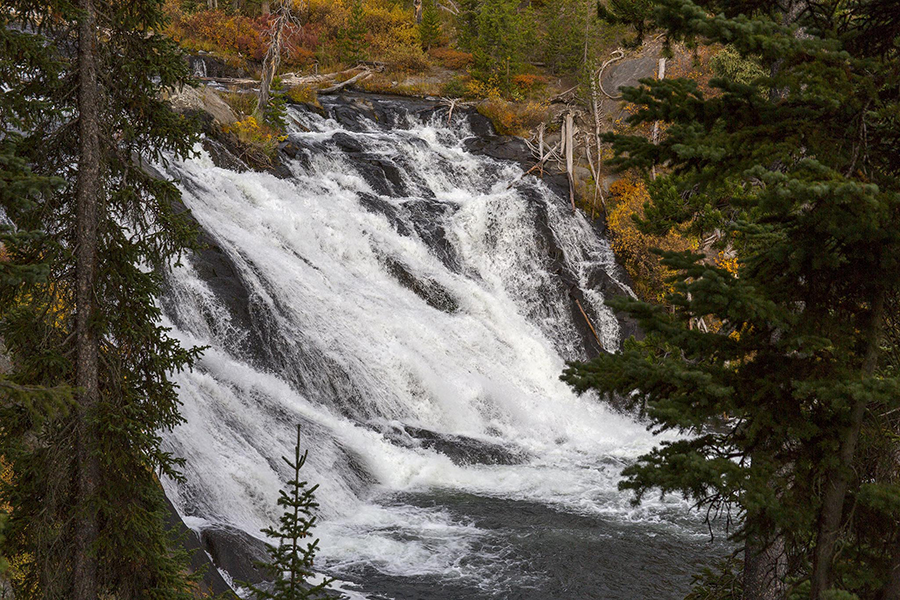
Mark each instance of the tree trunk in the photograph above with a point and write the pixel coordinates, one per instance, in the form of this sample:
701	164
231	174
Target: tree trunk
839	479
569	151
660	74
88	199
418	4
273	58
765	567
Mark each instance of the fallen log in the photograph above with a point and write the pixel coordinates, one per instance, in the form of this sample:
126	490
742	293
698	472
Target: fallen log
338	87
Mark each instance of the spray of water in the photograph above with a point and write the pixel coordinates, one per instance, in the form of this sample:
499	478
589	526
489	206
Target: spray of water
405	310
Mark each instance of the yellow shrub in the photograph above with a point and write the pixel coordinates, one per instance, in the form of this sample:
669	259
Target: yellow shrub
513	118
481	89
258	138
303	94
407	58
633	247
242	104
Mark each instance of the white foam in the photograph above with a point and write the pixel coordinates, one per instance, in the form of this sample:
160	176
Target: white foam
313	260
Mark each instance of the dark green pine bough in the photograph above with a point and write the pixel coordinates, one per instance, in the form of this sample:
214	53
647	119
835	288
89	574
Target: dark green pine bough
81	118
790	406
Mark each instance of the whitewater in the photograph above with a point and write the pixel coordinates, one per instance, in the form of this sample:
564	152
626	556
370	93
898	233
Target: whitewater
412	311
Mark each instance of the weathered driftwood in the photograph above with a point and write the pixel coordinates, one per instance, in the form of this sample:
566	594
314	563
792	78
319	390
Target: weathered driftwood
339	86
284	19
569	150
539	166
660	74
292	79
450	7
617	55
564	97
588	321
450	103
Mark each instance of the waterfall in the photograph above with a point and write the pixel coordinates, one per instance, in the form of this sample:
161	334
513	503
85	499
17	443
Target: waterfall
392	293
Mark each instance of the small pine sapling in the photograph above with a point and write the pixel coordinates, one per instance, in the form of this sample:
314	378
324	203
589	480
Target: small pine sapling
292	563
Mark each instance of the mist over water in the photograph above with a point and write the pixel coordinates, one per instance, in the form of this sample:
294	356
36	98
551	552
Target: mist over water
405	305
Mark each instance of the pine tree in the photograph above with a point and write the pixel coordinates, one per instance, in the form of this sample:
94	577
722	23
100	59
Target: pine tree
564	25
87	507
785	394
430	27
467	23
292	562
502	39
351	39
636	13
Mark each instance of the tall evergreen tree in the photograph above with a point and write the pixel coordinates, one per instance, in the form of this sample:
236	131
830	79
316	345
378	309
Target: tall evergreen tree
351	39
564	26
503	33
87	508
467	23
783	397
292	559
430	27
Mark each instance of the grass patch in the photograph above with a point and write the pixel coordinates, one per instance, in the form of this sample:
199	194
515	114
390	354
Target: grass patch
243	104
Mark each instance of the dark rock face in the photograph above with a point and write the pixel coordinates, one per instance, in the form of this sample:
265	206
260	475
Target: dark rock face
507	147
427	289
462	450
212	581
235	552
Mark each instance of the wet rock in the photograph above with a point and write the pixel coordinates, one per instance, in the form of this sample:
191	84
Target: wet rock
202	98
222	156
378	205
427	289
462	450
212	582
235	552
427	217
207	65
346	142
501	147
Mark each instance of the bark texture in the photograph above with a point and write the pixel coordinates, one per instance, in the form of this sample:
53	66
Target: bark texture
273	57
839	479
88	199
765	567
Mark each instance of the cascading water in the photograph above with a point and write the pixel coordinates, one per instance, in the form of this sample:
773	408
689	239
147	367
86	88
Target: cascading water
390	292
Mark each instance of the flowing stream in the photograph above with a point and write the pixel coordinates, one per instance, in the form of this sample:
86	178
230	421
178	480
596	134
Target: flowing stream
391	293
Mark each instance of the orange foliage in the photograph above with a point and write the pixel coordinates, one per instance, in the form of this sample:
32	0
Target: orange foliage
451	58
237	34
529	82
513	118
633	247
694	66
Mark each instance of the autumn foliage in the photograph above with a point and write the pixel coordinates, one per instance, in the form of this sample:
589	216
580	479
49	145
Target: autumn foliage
634	247
513	118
